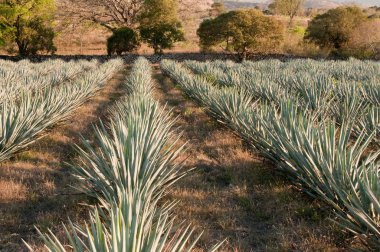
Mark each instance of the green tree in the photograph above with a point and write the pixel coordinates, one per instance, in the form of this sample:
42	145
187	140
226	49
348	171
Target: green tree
160	27
159	11
332	30
243	32
28	25
290	8
4	27
162	36
123	40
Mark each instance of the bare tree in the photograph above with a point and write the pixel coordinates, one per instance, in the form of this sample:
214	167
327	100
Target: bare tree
193	7
366	38
288	7
191	13
111	14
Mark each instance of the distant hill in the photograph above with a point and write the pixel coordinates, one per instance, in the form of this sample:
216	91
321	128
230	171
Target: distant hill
263	4
233	5
321	4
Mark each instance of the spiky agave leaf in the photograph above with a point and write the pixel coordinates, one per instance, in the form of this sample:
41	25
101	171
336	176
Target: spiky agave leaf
128	175
319	155
23	121
135	224
30	77
137	152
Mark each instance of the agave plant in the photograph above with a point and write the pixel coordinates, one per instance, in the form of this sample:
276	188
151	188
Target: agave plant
317	155
369	123
16	80
312	81
371	92
363	205
137	154
140	81
135	224
23	121
128	172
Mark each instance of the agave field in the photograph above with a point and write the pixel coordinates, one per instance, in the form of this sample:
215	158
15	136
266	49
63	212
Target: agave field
128	168
318	122
36	97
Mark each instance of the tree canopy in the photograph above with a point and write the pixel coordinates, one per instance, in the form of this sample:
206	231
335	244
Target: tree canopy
159	11
162	36
159	24
28	25
242	31
123	40
333	28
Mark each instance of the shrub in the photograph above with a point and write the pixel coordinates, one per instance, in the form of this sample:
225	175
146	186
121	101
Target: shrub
123	40
299	30
243	32
333	29
162	35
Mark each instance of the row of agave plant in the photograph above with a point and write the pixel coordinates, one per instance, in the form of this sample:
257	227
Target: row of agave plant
327	160
328	88
291	77
128	170
23	120
354	70
18	78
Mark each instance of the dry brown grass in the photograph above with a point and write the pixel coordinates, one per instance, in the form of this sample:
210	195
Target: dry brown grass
234	194
36	185
93	40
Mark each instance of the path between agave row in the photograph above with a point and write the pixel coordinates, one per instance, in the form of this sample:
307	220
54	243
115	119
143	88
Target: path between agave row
35	185
233	194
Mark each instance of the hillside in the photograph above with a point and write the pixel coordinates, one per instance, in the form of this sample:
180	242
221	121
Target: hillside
321	4
233	5
263	4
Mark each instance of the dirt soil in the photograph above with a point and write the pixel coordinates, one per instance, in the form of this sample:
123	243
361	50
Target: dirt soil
235	194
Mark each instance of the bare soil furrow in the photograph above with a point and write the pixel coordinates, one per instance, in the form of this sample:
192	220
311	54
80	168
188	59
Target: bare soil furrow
235	194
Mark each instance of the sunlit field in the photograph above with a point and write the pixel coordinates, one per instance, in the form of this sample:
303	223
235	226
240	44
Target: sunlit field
189	156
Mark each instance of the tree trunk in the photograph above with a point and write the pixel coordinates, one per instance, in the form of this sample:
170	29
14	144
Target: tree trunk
21	44
291	20
243	56
22	49
158	50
